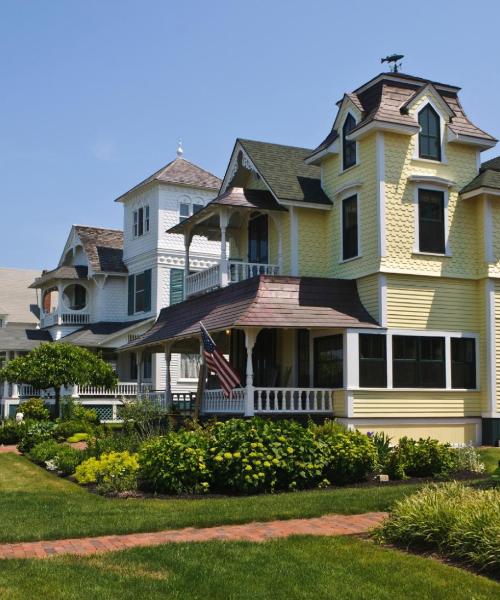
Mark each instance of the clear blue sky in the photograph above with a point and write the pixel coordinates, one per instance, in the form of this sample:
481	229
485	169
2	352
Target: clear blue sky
95	93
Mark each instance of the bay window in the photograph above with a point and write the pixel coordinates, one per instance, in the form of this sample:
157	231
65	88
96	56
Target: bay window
372	360
418	362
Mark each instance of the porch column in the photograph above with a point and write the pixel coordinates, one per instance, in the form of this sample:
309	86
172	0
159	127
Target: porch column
5	393
138	361
188	237
224	267
250	338
59	303
14	390
75	391
168	389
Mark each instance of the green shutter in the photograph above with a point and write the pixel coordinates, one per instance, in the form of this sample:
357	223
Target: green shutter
176	285
147	290
131	291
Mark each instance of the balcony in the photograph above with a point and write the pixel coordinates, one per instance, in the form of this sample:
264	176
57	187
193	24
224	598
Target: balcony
225	273
56	318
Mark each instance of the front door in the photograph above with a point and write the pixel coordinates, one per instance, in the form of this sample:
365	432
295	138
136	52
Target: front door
258	239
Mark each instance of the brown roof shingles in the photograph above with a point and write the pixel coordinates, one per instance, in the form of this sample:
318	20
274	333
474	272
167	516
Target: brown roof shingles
103	247
263	301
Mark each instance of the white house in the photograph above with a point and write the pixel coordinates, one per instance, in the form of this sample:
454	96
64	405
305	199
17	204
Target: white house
110	285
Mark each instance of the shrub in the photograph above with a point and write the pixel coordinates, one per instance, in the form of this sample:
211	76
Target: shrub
421	458
259	455
382	443
43	451
144	416
66	429
78	437
104	442
327	427
467	458
34	409
351	456
35	432
71	410
459	522
11	431
113	472
67	459
175	463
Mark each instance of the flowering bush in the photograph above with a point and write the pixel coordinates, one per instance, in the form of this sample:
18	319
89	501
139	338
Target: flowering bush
34	409
113	472
11	431
175	463
420	458
33	433
467	458
56	457
350	457
43	451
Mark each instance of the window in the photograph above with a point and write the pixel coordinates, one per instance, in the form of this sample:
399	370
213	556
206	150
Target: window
348	146
176	285
190	366
258	239
141	221
431	221
139	292
350	227
418	362
147	365
328	362
429	139
186	209
463	363
372	360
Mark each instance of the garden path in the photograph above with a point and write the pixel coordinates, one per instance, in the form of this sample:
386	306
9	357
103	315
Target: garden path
9	449
328	525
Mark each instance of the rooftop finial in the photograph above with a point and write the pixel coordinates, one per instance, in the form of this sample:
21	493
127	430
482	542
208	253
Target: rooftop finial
394	61
180	150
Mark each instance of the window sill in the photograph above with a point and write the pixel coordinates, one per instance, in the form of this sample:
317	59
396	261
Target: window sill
349	168
187	380
347	260
419	389
431	161
137	237
439	255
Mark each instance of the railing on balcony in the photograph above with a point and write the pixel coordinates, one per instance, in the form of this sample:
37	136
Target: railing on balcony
225	273
121	389
214	401
55	318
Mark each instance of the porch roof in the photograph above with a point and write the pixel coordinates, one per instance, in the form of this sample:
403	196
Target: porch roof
101	333
64	272
266	302
234	196
19	336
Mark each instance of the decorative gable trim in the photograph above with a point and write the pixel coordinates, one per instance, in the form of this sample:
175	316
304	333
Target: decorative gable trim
435	99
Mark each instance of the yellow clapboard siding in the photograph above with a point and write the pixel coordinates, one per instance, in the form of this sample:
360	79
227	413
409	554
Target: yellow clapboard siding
368	290
340	403
421	403
454	433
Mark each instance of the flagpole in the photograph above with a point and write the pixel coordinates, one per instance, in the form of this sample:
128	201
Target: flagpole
201	383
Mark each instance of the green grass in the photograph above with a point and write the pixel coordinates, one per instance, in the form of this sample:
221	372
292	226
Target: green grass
490	458
35	504
295	568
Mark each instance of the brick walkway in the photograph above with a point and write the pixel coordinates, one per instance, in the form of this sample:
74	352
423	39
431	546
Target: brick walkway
9	449
253	532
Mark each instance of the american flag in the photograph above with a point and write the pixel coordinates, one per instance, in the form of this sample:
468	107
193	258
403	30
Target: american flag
218	364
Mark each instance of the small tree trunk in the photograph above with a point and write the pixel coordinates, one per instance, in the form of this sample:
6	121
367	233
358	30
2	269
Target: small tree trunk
57	402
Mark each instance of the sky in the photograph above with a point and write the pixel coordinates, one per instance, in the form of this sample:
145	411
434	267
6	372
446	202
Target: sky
96	93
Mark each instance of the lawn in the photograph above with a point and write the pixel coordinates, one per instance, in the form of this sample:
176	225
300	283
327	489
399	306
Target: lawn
35	504
491	458
300	567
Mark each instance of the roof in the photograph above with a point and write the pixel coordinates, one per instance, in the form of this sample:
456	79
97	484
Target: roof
385	99
233	196
97	334
284	171
181	172
18	336
72	272
264	301
16	298
488	177
103	247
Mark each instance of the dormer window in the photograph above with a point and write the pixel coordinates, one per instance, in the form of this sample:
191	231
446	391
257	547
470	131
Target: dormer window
429	139
141	221
348	146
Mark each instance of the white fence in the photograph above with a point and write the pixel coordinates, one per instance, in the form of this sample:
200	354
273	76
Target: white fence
293	400
214	401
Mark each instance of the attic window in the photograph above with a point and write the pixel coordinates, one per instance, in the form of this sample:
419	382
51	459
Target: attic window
429	139
348	146
141	221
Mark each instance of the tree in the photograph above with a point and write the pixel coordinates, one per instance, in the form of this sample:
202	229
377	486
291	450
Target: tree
53	365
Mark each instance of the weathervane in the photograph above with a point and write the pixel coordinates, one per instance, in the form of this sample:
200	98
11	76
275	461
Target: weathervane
180	149
394	61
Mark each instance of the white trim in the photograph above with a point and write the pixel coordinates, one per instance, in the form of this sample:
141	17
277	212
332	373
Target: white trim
416	243
481	143
380	159
362	132
382	300
346	189
348	138
416	82
351	359
294	243
298	204
442	130
415	420
491	391
349	403
479	191
358	222
315	159
439	182
488	231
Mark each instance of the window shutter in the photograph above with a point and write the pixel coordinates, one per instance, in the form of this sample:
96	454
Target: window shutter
176	286
147	290
131	294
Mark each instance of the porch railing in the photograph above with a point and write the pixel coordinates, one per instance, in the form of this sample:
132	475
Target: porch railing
55	318
293	400
214	401
203	281
239	271
122	389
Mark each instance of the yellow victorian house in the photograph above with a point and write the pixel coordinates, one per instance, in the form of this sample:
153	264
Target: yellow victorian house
359	280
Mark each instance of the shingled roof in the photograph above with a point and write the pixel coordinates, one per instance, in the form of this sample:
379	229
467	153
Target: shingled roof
15	336
100	333
17	300
180	172
284	171
103	247
264	301
64	272
488	177
385	99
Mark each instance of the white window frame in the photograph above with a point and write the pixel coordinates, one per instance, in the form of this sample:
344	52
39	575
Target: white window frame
348	193
190	203
416	241
356	121
182	377
145	221
442	132
352	349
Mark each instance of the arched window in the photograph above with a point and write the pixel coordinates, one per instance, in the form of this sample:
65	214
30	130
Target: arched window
429	139
348	146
